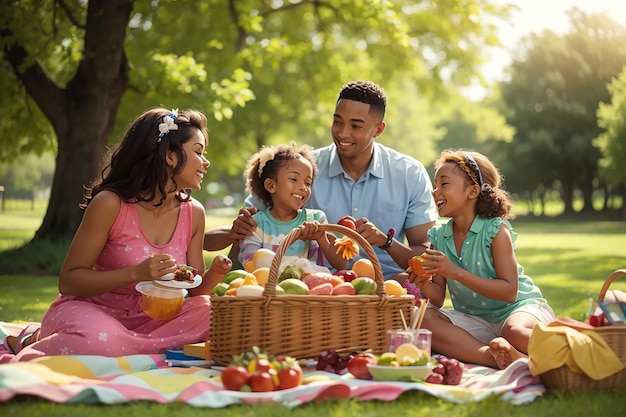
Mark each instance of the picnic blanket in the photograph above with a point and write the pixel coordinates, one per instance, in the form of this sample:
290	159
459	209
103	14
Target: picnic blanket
104	380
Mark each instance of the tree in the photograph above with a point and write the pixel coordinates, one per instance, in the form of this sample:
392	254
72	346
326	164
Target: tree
554	91
81	70
612	142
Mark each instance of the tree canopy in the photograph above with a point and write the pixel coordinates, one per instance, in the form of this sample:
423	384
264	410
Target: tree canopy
555	88
76	72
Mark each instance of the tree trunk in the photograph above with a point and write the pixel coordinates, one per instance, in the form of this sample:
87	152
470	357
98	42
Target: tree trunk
82	113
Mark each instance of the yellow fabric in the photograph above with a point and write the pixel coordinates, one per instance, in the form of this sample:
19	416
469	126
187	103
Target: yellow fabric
551	347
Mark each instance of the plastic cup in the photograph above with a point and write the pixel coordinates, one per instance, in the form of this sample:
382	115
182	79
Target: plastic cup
421	338
160	302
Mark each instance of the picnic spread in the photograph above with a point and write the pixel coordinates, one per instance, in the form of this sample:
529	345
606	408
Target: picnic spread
105	380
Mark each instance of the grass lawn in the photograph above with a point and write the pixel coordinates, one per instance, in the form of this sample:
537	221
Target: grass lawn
568	260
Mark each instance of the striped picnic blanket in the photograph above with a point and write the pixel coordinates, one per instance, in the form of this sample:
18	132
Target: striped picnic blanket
98	379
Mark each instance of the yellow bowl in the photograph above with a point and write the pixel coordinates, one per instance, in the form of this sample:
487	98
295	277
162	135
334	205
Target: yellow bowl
160	302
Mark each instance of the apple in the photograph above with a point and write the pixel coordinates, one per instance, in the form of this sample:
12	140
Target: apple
357	366
347	221
347	274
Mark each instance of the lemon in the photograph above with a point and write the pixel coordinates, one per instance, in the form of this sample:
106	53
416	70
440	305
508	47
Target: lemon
393	287
407	354
250	279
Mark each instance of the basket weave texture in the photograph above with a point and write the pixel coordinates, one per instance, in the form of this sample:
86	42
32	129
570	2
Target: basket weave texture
303	326
564	379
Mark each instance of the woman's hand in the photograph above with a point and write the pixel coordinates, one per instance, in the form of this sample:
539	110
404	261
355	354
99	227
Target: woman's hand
155	267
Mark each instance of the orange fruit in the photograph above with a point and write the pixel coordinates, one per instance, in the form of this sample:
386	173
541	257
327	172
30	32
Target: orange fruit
363	268
262	274
249	266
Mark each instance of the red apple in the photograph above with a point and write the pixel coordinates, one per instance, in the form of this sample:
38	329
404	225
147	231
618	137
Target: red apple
358	365
347	221
347	274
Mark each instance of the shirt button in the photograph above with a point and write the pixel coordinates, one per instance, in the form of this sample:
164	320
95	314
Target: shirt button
355	210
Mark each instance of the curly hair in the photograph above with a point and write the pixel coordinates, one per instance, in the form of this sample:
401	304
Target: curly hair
135	168
266	163
366	92
493	201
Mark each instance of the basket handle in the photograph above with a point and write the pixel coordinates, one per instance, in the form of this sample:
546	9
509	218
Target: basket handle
291	237
609	280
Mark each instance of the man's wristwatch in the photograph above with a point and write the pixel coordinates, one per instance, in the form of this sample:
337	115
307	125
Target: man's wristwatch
390	234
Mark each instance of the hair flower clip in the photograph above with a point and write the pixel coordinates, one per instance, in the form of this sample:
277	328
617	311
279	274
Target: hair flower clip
168	124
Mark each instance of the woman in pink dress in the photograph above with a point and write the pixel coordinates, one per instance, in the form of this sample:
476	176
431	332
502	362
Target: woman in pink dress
140	223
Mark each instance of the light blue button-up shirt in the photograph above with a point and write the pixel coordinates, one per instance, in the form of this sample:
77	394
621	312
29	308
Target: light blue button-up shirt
395	192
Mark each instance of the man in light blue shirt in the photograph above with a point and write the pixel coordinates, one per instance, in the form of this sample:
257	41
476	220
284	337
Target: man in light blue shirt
390	194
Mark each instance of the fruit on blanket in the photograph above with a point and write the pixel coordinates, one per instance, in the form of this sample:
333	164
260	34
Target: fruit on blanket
289	378
363	268
449	371
330	361
235	377
294	286
261	382
357	366
364	286
261	372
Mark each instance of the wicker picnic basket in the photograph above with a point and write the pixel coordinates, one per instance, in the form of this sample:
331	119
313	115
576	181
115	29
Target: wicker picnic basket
303	326
564	379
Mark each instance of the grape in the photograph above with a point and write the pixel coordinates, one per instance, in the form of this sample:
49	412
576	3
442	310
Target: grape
434	378
449	371
330	361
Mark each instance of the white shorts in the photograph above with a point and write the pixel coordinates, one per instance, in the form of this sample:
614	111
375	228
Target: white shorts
485	331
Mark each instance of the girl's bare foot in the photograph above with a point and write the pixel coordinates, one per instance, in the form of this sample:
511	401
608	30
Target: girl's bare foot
503	352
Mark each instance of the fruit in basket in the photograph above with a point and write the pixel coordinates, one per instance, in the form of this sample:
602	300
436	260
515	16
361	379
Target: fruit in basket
253	290
345	288
263	258
347	221
313	279
357	366
364	286
262	275
220	289
234	274
294	286
348	275
322	289
291	271
393	287
363	268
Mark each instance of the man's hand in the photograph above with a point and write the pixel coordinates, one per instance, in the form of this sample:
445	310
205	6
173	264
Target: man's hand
243	225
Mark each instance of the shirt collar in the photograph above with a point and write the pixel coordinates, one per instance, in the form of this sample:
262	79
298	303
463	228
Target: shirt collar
376	167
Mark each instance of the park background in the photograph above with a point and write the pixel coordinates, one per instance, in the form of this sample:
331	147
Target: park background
539	88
